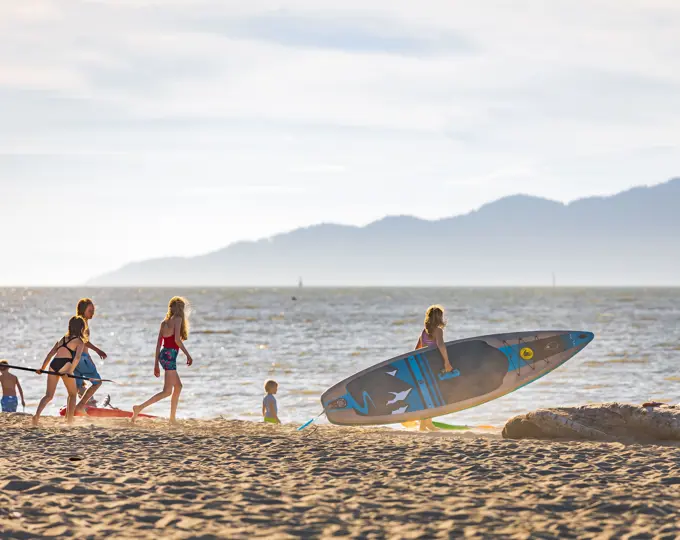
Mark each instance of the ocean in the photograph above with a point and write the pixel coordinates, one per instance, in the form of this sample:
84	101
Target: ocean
308	339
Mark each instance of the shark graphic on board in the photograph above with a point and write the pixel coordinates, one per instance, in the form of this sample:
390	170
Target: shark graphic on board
393	373
399	396
400	410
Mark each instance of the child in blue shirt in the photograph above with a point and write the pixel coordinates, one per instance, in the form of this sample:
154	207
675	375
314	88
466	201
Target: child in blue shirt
269	408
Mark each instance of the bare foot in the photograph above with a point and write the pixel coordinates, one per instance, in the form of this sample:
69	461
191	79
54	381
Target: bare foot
427	425
34	421
174	422
80	411
136	409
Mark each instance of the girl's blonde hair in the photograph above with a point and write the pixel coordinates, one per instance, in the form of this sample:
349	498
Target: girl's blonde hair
176	308
83	304
270	385
434	318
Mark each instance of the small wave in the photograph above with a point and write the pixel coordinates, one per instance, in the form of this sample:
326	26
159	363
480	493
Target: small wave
593	363
661	399
668	346
403	322
625	360
305	392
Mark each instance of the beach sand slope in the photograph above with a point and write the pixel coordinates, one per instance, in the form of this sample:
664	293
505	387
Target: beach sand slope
233	479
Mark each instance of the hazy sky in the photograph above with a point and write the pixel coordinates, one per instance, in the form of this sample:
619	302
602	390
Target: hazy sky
132	129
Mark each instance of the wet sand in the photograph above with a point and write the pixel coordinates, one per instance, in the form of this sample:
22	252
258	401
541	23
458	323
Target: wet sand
233	479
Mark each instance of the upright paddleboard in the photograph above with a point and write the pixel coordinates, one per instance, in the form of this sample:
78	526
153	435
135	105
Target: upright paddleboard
413	386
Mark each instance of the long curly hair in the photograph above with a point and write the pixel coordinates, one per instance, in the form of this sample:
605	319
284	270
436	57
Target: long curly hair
77	327
434	318
177	308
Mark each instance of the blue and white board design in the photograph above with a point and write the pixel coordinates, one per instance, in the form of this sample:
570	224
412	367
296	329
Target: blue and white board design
413	386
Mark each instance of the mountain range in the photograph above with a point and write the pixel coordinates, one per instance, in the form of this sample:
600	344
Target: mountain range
631	238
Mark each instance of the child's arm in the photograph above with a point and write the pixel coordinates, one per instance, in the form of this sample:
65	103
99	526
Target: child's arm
76	360
21	393
96	349
180	344
276	412
420	341
49	356
439	336
159	342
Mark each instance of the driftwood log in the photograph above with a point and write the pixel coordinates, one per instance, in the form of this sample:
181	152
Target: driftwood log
601	422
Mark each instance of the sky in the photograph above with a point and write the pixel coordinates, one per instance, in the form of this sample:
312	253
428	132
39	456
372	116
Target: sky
133	129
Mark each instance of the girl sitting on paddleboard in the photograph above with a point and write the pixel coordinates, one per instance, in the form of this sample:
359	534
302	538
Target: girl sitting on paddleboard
174	330
433	335
65	356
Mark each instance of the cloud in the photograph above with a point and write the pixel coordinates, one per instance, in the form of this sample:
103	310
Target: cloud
243	190
276	107
519	173
318	168
351	33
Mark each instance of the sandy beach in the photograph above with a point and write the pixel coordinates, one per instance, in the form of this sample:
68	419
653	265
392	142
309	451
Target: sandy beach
234	479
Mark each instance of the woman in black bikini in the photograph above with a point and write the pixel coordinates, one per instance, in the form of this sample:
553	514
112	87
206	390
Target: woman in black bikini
65	356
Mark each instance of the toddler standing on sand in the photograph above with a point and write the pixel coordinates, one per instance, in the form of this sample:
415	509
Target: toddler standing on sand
10	384
269	408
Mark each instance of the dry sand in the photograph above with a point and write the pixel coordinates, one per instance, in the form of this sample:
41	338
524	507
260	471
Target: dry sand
232	479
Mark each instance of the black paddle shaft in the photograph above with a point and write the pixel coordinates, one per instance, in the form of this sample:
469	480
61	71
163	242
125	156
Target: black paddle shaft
56	373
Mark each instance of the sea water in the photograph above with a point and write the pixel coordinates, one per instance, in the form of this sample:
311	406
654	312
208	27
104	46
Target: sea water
308	339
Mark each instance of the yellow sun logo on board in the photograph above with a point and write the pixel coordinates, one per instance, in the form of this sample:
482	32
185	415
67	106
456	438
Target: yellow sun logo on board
526	353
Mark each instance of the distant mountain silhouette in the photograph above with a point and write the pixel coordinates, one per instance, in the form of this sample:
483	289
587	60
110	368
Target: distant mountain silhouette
632	238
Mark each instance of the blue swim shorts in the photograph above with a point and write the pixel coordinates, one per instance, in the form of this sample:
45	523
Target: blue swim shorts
9	403
86	368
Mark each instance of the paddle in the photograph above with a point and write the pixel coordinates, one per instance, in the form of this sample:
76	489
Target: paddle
308	422
59	374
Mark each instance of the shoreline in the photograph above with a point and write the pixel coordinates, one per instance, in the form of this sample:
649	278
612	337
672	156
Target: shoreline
230	478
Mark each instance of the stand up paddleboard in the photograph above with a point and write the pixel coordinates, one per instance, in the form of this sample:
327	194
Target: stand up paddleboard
413	386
